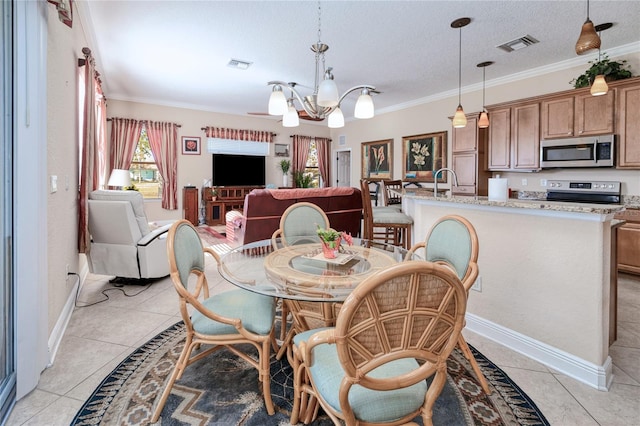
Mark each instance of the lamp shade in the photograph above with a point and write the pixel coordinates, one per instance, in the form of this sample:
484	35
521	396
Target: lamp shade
483	121
336	119
290	118
588	40
364	105
277	101
599	86
459	119
119	177
327	93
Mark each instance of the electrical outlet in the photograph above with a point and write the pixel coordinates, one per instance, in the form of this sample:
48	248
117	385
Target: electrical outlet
543	182
477	285
525	182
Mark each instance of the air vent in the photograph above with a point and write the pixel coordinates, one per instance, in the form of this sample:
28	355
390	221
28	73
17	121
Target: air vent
517	44
239	64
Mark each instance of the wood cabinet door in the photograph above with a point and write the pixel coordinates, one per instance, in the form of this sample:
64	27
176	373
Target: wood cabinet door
466	138
500	139
190	205
525	136
557	118
594	114
629	248
628	114
465	166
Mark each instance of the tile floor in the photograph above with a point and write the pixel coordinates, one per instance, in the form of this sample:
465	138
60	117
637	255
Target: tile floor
100	336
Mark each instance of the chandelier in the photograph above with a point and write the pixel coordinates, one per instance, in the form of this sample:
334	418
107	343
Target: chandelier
325	101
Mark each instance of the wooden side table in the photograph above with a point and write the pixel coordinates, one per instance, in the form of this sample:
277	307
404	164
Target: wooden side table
190	204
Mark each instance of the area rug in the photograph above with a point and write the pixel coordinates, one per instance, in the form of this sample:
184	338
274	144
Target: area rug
224	390
213	239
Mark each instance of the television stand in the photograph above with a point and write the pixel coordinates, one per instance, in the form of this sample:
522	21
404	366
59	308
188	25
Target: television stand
228	198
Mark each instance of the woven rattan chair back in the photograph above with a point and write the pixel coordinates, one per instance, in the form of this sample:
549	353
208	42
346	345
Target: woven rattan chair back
411	311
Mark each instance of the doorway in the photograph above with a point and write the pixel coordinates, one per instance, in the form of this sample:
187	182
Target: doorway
343	168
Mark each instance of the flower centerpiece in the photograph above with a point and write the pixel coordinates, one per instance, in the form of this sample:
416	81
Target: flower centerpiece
331	240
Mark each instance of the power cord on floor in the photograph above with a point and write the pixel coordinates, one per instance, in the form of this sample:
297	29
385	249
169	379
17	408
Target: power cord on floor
116	286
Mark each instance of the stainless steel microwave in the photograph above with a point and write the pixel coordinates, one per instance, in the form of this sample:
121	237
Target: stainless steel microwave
593	151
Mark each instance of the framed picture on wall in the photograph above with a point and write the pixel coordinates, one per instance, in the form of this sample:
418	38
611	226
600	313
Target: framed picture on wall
281	150
422	155
191	145
377	159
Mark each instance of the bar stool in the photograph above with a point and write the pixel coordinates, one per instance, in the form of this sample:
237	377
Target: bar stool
395	225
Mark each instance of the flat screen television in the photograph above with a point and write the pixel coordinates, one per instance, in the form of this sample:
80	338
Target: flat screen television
238	170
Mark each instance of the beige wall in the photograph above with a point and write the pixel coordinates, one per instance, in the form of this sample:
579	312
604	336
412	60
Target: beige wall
433	117
64	48
194	169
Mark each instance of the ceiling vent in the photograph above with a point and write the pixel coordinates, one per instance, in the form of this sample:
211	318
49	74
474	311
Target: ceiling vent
517	44
239	64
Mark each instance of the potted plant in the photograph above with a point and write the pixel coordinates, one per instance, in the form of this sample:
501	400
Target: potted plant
214	194
612	70
285	165
331	239
303	180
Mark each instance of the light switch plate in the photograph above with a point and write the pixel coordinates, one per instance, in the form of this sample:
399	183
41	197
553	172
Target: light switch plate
54	183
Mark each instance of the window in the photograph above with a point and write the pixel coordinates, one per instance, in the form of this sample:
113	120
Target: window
144	171
311	167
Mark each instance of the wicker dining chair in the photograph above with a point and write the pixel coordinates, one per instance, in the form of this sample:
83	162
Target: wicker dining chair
394	331
235	317
298	225
386	224
453	241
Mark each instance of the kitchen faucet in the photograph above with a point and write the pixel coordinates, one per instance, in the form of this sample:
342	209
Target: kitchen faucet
435	179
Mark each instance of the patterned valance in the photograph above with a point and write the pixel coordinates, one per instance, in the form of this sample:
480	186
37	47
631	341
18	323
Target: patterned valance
238	134
65	11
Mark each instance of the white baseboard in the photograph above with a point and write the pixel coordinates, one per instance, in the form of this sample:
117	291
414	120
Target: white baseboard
65	316
597	376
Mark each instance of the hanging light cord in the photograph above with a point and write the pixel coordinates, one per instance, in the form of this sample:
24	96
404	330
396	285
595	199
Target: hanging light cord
460	69
484	69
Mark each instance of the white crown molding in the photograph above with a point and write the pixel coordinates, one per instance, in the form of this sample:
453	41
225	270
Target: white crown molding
534	72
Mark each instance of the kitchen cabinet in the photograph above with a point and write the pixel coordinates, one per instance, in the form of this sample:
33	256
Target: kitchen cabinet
594	114
514	137
628	124
628	247
469	158
577	115
190	204
557	118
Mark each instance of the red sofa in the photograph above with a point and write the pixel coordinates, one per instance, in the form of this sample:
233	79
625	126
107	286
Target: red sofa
264	207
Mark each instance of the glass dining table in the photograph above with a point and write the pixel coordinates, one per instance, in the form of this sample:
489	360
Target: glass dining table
301	272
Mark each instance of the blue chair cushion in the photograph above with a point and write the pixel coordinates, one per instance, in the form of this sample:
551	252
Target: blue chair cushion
368	405
254	310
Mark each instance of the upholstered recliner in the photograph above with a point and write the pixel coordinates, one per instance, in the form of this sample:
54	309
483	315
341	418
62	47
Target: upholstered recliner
122	242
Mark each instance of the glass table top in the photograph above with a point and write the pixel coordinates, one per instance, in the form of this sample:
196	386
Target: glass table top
301	272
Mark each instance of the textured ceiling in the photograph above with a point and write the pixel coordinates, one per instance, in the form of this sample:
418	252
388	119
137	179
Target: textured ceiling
176	52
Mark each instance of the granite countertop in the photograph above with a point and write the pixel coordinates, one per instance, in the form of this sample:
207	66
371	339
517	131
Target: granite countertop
529	200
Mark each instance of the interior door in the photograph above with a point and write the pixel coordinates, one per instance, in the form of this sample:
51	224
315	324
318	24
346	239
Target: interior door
343	168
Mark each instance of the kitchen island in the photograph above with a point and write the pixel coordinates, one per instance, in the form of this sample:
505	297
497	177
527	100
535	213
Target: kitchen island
545	276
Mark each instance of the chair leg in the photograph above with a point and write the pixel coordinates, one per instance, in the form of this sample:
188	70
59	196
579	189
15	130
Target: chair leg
265	376
181	364
474	364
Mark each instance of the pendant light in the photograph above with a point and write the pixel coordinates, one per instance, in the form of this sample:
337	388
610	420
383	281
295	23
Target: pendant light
459	119
589	39
483	121
599	86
